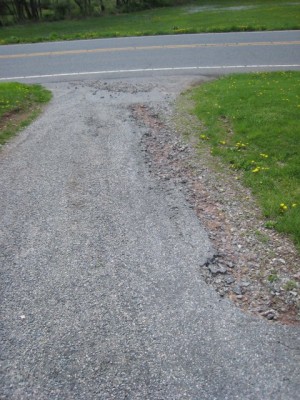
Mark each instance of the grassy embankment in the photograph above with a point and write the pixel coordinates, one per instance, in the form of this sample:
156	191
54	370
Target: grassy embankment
19	105
252	123
200	16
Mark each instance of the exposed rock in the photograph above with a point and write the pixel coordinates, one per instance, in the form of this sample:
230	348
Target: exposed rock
217	269
229	280
230	215
270	314
237	290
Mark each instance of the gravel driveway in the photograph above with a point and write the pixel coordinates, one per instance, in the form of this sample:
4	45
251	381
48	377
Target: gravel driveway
101	292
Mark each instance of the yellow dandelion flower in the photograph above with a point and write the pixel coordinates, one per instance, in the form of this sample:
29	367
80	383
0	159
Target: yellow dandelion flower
257	169
283	207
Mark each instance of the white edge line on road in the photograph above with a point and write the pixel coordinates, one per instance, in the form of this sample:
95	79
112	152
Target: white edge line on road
122	71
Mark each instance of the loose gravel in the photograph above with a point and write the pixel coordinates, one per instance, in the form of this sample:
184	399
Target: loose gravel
102	285
254	266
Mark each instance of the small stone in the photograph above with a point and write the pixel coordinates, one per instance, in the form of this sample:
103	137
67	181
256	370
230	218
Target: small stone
261	309
254	265
245	284
240	296
237	290
270	314
229	280
230	264
217	269
22	316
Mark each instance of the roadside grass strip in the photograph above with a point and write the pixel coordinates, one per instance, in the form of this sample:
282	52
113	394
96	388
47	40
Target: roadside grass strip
197	17
19	105
252	122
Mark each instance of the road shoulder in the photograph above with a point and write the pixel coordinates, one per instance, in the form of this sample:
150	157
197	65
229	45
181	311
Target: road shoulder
248	255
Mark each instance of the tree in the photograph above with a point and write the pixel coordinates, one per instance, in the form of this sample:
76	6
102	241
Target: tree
84	6
22	9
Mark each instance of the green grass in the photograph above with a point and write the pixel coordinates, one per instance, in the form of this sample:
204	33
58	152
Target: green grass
200	16
252	122
19	104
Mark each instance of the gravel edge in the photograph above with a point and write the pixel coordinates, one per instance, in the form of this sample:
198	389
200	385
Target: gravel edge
253	265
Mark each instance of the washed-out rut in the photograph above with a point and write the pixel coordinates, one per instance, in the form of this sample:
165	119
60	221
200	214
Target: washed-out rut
100	286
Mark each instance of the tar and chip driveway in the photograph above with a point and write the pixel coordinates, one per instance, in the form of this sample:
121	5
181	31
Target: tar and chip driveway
101	292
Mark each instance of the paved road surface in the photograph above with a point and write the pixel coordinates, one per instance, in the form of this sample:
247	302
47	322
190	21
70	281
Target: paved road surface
148	56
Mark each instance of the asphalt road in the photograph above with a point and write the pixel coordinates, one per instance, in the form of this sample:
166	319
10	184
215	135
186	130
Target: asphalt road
148	56
101	294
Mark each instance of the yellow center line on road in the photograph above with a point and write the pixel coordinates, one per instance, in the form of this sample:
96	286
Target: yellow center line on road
143	48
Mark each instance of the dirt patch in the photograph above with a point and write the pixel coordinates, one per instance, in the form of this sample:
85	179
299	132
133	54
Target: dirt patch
11	122
255	267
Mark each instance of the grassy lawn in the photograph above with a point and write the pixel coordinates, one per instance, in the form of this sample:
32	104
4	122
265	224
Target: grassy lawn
252	122
200	16
19	104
